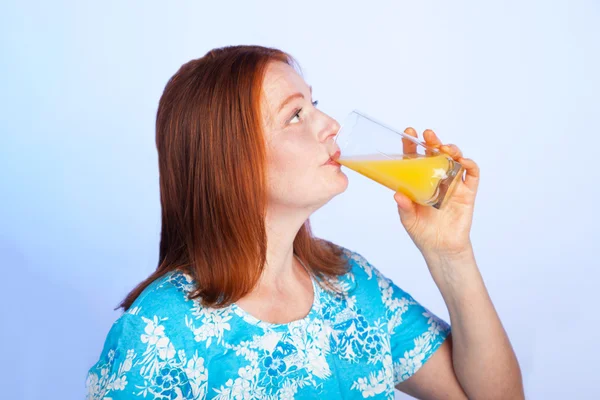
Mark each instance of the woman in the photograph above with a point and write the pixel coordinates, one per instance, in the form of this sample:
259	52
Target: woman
246	303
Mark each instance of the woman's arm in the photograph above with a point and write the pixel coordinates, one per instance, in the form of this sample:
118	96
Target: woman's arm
479	358
483	358
436	379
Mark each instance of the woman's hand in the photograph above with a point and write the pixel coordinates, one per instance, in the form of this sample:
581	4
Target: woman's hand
444	232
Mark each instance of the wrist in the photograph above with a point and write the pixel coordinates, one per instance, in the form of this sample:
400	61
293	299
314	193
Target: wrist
453	272
459	255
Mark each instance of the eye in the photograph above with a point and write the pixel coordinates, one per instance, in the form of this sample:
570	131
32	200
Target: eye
298	111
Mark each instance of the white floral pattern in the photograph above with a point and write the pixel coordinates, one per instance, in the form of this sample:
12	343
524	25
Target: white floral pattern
374	332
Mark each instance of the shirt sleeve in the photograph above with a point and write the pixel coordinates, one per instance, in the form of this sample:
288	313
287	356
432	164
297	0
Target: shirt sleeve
415	332
138	359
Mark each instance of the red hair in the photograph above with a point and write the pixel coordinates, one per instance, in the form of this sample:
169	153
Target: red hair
211	153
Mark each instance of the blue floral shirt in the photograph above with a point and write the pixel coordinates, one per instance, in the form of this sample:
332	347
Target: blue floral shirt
357	345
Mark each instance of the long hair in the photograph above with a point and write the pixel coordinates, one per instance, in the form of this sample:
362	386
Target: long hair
212	166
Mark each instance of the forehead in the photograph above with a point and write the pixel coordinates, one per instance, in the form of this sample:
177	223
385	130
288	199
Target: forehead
280	81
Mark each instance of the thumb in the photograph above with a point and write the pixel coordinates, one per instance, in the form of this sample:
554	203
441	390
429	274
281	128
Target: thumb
406	207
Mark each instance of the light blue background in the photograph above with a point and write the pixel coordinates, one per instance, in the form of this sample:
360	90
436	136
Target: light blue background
515	84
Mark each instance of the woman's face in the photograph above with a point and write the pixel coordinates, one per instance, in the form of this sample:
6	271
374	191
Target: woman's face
299	143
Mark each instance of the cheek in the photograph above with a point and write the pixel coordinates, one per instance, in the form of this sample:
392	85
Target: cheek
293	165
293	156
288	166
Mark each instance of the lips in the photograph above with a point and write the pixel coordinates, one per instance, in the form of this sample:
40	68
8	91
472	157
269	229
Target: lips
333	158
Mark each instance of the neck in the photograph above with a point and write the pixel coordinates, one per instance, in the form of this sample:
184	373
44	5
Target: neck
281	268
284	291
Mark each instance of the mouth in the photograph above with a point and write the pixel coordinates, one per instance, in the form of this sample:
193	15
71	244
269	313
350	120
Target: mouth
333	158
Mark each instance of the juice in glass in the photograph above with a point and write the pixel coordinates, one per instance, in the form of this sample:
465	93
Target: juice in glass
420	177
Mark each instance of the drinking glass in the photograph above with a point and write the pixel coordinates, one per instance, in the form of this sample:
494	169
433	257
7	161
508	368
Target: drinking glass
396	160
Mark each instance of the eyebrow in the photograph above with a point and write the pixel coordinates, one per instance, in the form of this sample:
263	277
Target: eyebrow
290	98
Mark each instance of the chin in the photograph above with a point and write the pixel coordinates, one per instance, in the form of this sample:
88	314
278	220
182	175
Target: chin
342	181
316	194
343	184
338	186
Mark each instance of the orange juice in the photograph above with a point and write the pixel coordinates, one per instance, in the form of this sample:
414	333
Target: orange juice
416	176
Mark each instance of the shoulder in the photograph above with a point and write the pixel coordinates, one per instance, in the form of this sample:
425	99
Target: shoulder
158	311
165	296
362	276
374	292
362	286
149	344
410	324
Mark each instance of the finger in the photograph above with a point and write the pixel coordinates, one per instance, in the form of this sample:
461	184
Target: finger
431	141
406	208
452	150
472	175
408	146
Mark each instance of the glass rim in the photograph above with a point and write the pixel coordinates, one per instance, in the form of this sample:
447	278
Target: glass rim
378	122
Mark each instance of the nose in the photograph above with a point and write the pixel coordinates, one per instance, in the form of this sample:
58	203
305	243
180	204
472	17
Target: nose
331	130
